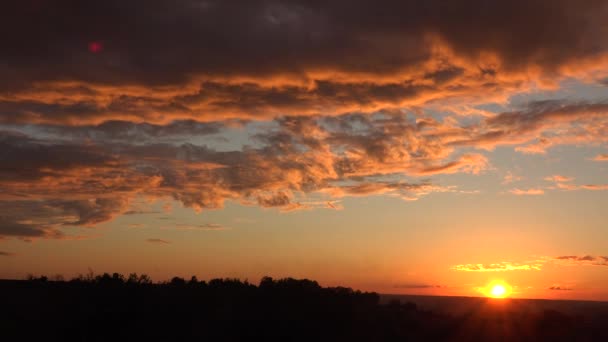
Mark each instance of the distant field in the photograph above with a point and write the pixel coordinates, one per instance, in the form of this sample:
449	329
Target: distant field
462	305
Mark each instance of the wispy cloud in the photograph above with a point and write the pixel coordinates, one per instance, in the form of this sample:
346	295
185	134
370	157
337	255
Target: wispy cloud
589	260
198	227
525	192
534	265
559	179
156	240
560	288
6	254
565	183
601	157
497	267
511	178
417	286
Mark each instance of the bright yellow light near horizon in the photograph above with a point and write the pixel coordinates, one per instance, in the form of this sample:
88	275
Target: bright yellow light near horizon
497	289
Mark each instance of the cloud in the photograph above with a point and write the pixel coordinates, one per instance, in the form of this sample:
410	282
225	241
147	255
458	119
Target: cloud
140	212
601	157
304	157
511	178
195	60
563	183
326	157
498	267
417	286
160	241
559	288
559	179
292	159
520	192
6	254
535	265
595	187
540	126
199	227
574	260
347	102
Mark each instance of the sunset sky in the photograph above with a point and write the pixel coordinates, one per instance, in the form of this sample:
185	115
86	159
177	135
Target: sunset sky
412	146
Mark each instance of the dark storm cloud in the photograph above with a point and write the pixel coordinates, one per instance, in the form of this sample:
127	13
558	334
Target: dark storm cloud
157	61
8	227
162	41
24	158
129	132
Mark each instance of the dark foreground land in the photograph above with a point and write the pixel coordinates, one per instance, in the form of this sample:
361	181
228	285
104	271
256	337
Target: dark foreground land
112	308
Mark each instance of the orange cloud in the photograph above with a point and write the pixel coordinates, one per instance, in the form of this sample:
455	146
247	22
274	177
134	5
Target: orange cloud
562	183
601	157
535	265
350	63
521	192
510	178
559	179
499	267
199	227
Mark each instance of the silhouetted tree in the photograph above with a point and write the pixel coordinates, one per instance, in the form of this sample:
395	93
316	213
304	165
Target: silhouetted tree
110	307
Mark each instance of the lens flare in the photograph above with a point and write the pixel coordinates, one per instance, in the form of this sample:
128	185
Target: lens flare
95	47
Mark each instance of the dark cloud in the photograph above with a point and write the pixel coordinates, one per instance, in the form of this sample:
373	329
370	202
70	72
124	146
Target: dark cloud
6	254
155	240
200	227
560	288
124	131
44	217
163	60
25	158
417	286
140	212
576	258
582	260
536	126
161	41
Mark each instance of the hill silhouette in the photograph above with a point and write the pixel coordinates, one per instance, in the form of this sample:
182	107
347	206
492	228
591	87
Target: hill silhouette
112	307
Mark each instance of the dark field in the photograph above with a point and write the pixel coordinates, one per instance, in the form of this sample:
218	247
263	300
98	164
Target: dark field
112	308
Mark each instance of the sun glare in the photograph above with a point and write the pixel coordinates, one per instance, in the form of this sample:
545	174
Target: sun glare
497	289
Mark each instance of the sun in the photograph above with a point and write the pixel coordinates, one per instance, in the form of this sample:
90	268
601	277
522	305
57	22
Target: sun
497	289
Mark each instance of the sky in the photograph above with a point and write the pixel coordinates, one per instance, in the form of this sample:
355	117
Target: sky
424	147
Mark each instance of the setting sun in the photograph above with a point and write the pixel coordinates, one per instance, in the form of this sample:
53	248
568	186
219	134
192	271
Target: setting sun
498	291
